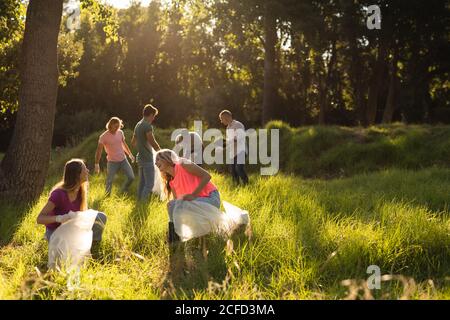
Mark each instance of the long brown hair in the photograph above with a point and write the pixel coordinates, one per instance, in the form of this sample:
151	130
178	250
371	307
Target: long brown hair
71	180
172	158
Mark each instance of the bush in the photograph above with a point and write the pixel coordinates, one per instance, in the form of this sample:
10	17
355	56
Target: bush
71	128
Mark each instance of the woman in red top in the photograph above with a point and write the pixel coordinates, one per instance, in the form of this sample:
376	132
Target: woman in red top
184	181
68	196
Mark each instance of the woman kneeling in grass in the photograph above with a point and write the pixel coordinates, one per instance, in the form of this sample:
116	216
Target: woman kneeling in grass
184	181
68	197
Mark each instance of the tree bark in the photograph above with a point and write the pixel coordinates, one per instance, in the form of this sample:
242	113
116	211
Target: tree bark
270	90
391	103
327	86
356	79
375	84
322	101
26	162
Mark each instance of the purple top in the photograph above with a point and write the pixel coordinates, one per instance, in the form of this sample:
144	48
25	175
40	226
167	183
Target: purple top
63	205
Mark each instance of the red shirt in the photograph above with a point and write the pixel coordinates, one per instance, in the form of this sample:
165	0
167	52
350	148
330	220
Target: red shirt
185	183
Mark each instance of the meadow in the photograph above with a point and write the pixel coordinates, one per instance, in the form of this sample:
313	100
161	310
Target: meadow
345	199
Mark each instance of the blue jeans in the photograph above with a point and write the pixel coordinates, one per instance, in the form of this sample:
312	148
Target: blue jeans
213	199
97	228
238	172
112	168
146	179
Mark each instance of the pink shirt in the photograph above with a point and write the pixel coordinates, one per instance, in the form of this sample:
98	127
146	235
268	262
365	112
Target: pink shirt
113	145
185	183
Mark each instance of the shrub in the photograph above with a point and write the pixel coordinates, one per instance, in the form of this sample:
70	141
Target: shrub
71	128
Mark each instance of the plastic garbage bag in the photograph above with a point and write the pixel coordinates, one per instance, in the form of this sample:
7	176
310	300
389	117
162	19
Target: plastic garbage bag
158	186
71	242
235	215
194	219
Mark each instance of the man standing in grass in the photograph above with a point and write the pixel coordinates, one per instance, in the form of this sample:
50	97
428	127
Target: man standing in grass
113	141
144	140
235	133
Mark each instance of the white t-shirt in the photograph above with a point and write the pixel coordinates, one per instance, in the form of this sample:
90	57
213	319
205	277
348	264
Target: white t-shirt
236	132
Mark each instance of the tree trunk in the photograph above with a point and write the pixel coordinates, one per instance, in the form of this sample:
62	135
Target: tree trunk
391	102
270	30
375	84
26	162
322	101
327	86
356	80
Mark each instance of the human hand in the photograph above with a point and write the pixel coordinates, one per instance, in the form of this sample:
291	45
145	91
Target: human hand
189	197
97	168
65	217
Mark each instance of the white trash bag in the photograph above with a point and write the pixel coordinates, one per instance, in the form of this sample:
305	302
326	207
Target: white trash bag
71	242
158	186
194	219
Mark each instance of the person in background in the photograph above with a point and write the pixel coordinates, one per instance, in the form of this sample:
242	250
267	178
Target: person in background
237	169
115	145
67	197
144	140
192	146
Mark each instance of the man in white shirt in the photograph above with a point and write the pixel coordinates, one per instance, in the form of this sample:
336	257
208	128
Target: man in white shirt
236	137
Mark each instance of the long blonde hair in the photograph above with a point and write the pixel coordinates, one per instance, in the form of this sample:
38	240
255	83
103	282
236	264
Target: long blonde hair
172	158
71	180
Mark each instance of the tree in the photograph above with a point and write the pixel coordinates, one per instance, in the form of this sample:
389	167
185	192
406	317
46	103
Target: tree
270	41
24	168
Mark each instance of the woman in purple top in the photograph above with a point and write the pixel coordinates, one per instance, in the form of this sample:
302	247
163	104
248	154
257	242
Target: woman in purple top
69	195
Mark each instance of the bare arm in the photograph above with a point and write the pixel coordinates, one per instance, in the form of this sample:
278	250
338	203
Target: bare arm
126	148
199	172
151	140
43	217
133	141
98	153
174	194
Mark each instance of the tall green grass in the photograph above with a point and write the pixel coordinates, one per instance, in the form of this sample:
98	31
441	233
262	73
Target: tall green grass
340	151
308	235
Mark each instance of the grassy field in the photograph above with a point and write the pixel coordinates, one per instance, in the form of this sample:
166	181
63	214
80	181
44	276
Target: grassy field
332	151
308	237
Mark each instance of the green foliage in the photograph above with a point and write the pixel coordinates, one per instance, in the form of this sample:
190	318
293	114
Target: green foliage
70	52
12	14
71	128
194	58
